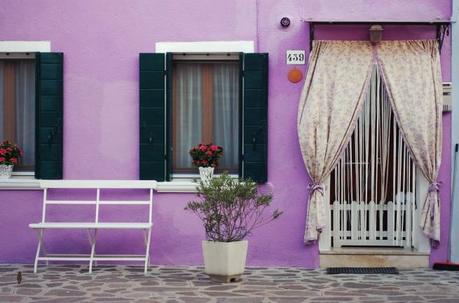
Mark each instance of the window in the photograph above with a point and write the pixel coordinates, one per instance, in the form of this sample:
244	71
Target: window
17	106
205	108
31	110
189	98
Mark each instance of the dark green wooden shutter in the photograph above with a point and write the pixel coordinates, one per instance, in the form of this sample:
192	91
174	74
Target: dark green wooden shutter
152	117
255	117
49	116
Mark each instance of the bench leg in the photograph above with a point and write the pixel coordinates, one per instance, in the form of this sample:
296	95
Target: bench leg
92	240
39	247
147	249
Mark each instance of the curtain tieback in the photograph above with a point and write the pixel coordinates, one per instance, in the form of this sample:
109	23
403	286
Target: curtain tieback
433	187
314	186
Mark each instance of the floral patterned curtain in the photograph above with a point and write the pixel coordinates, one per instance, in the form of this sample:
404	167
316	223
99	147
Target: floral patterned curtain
332	98
411	72
329	107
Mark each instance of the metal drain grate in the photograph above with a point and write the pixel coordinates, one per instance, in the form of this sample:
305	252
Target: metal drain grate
362	270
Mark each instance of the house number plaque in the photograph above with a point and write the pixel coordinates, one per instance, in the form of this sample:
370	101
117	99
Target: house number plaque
295	56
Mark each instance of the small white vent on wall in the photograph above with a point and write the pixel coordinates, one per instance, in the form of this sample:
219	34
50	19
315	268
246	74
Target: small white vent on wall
447	98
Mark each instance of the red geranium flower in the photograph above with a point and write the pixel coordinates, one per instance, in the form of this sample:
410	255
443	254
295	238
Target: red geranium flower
10	153
206	155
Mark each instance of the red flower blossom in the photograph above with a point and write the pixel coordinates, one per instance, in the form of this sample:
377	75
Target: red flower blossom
206	155
10	153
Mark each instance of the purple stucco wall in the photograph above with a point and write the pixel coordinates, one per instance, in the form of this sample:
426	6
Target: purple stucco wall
101	40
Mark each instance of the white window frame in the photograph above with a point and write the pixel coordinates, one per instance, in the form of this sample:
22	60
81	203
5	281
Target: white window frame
26	179
200	57
205	47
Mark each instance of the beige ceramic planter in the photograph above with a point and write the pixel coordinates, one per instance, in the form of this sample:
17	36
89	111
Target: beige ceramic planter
224	261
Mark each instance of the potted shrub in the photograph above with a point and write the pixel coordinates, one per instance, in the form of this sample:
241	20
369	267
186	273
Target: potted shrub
230	209
9	156
205	157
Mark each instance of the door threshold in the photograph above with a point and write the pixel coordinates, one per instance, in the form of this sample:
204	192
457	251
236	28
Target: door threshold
373	257
393	251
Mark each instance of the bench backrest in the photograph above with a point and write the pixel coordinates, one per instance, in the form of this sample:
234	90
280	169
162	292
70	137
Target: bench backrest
99	186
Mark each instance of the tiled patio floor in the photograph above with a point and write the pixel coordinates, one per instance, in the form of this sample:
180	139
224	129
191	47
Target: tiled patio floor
65	284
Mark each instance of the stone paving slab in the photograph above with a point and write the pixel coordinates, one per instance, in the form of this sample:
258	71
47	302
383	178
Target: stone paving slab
67	284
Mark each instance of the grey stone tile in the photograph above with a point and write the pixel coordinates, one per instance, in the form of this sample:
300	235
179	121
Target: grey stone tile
189	284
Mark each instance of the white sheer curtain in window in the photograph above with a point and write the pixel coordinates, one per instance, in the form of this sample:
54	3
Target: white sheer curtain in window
226	113
25	110
17	90
206	109
187	115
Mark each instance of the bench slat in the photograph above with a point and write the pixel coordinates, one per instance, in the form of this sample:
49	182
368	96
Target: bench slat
83	225
118	202
71	202
64	258
101	202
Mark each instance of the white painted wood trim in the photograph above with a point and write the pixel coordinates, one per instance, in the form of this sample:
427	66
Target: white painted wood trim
25	46
205	47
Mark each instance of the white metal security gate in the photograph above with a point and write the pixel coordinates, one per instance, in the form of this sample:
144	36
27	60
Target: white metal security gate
373	187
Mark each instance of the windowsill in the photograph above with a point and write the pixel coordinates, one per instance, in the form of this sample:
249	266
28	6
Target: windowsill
20	180
182	183
177	186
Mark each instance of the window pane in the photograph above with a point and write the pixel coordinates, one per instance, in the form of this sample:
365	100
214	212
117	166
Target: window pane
206	109
187	115
17	107
226	113
25	110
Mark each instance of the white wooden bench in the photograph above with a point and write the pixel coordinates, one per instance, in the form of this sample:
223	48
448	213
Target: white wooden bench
95	224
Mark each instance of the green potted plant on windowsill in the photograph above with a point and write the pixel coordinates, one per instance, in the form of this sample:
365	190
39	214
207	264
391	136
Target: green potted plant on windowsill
230	210
205	157
9	156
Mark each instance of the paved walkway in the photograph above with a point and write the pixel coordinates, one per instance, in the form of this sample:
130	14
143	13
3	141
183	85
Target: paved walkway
66	284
